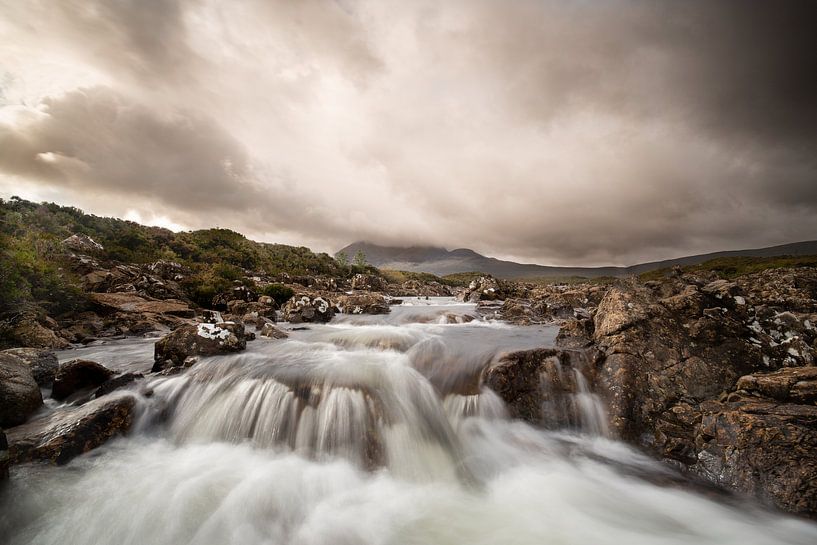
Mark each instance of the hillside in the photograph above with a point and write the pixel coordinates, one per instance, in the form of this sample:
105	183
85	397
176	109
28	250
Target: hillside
35	267
440	261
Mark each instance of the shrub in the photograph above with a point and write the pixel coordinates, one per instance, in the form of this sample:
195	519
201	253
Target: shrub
280	293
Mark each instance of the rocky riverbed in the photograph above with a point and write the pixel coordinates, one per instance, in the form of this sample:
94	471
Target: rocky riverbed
712	378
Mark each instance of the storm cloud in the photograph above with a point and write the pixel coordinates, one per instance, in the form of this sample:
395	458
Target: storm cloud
567	132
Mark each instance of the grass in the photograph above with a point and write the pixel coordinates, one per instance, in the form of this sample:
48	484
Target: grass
733	267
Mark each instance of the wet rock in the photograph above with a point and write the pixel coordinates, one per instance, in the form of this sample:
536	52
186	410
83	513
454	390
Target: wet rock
19	393
116	383
575	333
540	385
198	340
272	332
70	431
5	461
82	243
307	308
75	375
362	303
43	363
761	448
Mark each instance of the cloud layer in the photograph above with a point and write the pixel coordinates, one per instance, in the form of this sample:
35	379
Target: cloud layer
564	132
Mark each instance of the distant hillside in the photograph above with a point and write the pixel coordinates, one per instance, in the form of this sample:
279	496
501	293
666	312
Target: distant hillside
440	261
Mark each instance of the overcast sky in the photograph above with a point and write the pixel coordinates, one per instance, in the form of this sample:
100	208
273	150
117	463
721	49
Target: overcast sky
570	132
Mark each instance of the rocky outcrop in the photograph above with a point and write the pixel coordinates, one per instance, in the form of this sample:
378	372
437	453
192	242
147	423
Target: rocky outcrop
133	303
31	329
308	308
82	243
238	293
19	393
548	387
362	303
272	332
198	340
368	282
77	375
43	363
485	288
70	431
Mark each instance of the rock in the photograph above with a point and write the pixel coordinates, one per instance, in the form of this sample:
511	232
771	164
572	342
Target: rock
362	303
484	288
198	340
763	449
5	460
368	282
115	383
133	303
793	385
575	333
168	270
240	293
269	330
27	331
43	363
82	243
70	431
306	308
75	375
540	385
19	393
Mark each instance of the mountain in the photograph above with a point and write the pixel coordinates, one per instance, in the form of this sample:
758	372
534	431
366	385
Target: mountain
441	261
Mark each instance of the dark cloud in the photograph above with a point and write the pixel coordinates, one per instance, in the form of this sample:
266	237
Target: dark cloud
559	132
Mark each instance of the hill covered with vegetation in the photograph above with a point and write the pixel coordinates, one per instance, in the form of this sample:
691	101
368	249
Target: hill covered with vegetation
34	267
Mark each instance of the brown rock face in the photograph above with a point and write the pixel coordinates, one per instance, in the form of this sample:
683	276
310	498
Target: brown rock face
76	375
19	393
198	340
70	431
762	448
133	303
272	332
43	363
542	386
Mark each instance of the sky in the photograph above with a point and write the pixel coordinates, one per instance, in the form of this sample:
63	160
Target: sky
565	133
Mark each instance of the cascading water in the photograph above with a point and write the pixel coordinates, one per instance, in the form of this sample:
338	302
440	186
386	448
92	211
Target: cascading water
370	430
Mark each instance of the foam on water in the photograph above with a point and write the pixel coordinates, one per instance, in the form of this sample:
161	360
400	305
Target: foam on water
371	430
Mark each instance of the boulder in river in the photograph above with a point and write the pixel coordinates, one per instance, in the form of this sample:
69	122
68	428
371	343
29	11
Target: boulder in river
19	393
76	375
43	363
270	331
363	303
69	431
308	308
198	340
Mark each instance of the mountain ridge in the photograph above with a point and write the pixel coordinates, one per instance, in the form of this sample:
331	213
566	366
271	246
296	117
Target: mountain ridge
439	261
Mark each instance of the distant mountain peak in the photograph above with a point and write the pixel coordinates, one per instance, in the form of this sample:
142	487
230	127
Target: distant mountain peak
440	261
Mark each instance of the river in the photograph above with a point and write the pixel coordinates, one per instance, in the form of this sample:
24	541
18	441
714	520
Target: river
367	430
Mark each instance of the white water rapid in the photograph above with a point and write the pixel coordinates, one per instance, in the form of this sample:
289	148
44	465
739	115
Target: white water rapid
367	430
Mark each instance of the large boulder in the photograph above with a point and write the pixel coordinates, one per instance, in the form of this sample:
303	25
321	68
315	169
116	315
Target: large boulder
362	303
308	308
76	375
19	393
198	340
61	435
270	331
368	282
43	363
485	288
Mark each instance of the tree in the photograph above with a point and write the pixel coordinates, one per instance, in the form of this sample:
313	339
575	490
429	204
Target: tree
360	259
342	258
